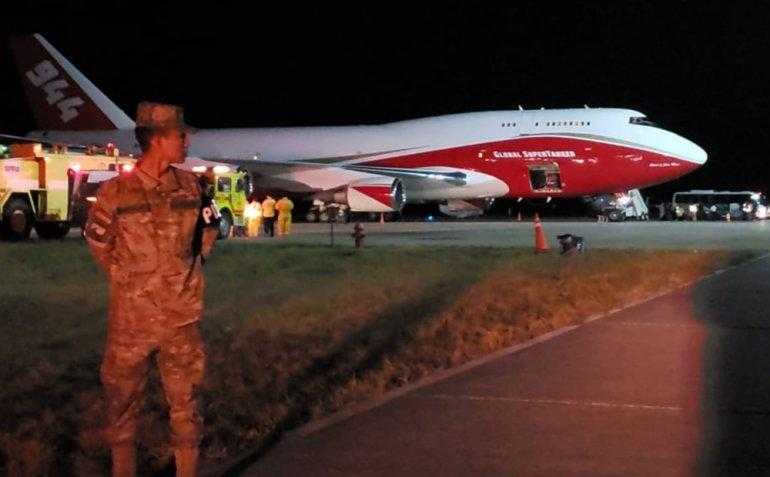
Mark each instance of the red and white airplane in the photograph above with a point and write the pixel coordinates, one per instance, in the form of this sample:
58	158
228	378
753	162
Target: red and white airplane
459	157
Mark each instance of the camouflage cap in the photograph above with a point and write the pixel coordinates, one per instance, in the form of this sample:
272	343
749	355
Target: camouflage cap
161	116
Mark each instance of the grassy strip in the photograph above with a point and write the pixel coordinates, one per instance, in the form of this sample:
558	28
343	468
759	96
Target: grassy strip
293	332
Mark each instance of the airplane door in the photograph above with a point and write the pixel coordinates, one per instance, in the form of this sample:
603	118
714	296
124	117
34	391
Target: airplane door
545	177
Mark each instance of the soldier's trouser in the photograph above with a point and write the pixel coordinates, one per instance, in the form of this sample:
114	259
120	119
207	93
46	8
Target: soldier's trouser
181	361
284	224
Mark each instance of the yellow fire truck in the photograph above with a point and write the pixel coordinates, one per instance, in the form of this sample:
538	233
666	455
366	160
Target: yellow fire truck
41	187
230	190
50	189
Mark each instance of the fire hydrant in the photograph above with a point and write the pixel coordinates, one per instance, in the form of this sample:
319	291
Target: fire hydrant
358	234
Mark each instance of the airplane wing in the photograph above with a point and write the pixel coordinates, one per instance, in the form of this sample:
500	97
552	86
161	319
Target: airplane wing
451	177
455	178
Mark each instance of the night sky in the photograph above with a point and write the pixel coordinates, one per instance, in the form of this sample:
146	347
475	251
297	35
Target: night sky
697	68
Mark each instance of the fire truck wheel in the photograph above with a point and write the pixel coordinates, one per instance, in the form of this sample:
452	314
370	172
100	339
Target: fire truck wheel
52	230
17	220
225	223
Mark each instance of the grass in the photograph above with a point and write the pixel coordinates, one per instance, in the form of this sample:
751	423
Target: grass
293	332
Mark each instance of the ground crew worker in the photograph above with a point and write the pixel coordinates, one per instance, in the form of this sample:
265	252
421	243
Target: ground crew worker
268	215
284	206
253	216
150	234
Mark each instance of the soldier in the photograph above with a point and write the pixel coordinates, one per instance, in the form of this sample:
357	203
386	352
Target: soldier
150	231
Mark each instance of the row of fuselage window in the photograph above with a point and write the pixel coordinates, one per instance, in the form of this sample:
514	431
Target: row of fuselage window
552	123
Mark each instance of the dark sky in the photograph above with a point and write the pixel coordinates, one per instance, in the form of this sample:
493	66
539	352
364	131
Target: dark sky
698	68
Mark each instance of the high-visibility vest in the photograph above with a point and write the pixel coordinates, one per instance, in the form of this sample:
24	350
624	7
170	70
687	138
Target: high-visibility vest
284	207
268	208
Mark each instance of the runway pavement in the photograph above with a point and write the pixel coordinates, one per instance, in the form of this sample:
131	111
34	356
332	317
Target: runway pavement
654	235
675	386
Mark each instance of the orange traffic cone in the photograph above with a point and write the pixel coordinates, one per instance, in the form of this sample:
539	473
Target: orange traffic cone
541	244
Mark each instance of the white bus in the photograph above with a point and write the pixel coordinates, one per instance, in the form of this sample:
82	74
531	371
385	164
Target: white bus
719	205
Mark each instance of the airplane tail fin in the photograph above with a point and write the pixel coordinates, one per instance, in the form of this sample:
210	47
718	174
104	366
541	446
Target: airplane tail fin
60	96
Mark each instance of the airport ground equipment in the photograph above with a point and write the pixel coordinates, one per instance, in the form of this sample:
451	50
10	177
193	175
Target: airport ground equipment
322	211
230	193
462	209
40	187
719	205
570	244
621	206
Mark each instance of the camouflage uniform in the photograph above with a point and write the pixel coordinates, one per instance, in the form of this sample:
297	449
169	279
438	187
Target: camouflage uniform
141	231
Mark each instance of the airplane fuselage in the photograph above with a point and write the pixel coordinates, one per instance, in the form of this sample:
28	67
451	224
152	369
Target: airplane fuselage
536	153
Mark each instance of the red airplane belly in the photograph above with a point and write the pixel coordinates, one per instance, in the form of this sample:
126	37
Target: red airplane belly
554	166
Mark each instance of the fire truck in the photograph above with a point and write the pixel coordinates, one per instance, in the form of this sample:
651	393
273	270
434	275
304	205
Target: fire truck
230	191
43	187
51	188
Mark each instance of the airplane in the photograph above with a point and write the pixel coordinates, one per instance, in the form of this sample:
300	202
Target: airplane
455	159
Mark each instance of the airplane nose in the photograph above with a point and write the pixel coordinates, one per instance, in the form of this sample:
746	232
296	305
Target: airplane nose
686	150
696	154
676	146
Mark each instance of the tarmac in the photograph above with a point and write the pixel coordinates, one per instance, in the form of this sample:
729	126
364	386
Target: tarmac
753	235
677	385
648	235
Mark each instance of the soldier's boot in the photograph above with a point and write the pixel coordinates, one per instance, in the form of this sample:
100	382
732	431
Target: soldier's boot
186	461
124	461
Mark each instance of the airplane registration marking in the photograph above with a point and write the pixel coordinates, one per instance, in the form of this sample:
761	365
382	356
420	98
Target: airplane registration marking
45	75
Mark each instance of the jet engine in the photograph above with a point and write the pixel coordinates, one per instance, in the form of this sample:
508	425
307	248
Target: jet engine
384	194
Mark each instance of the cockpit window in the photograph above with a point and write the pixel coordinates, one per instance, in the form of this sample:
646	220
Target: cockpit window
642	120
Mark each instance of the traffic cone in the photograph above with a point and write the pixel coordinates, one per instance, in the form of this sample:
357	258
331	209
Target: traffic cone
541	244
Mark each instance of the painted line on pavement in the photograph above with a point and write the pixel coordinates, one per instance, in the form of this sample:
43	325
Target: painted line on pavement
562	402
723	270
655	325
